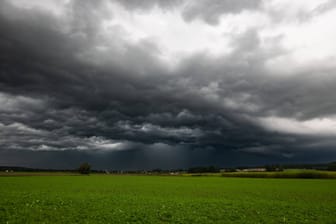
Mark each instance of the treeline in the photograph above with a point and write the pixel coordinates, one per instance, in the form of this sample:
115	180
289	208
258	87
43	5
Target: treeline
28	169
306	174
204	169
323	166
280	167
199	169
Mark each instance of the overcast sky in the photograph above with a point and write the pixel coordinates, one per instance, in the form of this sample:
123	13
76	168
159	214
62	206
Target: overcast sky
141	84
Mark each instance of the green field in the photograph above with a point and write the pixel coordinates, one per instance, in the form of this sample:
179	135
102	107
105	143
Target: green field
160	199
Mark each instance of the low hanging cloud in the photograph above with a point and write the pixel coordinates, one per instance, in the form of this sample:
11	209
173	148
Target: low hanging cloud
144	84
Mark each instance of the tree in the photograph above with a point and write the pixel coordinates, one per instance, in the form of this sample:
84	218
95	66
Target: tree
274	167
332	166
204	169
84	168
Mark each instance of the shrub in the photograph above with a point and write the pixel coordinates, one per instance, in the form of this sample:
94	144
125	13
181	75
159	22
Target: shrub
84	168
204	169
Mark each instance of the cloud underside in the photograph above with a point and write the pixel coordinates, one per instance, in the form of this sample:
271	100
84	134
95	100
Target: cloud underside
169	81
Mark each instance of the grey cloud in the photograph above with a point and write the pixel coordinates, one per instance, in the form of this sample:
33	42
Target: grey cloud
149	4
324	7
208	10
302	15
211	11
65	99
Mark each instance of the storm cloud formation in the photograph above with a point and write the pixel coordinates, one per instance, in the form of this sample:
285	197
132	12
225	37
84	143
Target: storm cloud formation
166	84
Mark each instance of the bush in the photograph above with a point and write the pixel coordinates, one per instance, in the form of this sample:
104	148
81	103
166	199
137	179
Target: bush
84	168
271	168
332	166
204	169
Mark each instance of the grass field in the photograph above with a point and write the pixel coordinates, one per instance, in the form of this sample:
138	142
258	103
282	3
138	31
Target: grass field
159	199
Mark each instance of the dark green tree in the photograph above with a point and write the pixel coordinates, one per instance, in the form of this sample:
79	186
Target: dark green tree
332	166
84	168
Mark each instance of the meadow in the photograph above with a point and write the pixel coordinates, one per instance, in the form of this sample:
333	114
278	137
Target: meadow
165	199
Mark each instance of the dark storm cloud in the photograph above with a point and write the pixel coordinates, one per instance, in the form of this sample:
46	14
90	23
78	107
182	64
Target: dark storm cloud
70	93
